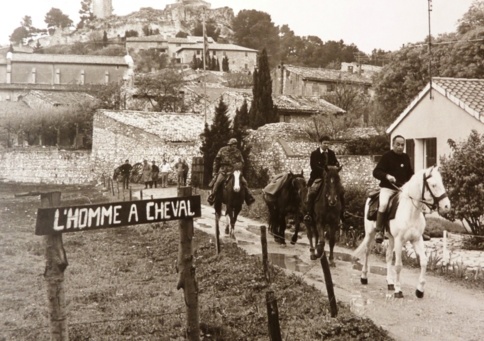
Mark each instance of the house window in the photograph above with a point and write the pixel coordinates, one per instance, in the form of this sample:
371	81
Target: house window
315	89
330	87
246	54
350	68
410	150
430	152
198	52
224	53
246	66
285	118
214	53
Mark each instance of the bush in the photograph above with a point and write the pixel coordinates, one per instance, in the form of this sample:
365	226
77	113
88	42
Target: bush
373	145
258	177
355	198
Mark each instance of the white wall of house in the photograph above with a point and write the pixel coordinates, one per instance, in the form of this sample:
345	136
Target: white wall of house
436	118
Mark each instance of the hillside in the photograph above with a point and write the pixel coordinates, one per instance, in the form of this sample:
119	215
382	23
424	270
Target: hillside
169	21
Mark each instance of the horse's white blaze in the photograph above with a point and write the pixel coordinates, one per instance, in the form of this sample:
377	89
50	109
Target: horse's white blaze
408	225
236	181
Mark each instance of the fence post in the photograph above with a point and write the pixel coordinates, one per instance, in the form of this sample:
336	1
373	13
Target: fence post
263	241
273	317
56	263
329	285
186	269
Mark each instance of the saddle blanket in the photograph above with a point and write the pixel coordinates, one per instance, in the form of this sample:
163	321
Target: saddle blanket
276	183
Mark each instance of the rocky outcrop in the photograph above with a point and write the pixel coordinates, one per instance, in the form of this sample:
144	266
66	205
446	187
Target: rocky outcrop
181	16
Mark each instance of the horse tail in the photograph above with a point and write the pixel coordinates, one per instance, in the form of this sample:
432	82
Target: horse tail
362	248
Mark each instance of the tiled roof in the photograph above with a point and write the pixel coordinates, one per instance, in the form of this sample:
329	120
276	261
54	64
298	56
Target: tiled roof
158	37
466	93
168	126
68	59
56	98
214	93
305	105
189	40
317	74
217	47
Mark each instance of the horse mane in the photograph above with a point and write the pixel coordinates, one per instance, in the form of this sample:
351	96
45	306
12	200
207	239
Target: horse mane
332	173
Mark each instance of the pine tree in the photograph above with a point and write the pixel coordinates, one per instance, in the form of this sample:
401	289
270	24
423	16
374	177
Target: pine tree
194	63
241	122
262	108
214	137
241	119
225	64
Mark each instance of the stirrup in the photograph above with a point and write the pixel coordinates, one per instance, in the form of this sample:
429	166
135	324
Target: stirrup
379	237
307	218
250	201
211	199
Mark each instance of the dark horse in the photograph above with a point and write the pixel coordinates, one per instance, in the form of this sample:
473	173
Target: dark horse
290	200
232	195
327	209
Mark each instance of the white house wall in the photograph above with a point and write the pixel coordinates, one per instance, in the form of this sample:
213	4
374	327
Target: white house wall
438	118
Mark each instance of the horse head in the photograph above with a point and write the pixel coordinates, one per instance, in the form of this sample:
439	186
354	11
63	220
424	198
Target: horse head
299	187
332	185
433	190
236	175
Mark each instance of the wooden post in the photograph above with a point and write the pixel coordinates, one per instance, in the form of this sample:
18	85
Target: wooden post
56	263
140	194
265	261
273	317
130	194
117	187
329	285
217	238
186	269
112	186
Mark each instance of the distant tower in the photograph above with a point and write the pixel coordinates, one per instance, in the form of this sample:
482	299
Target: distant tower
102	8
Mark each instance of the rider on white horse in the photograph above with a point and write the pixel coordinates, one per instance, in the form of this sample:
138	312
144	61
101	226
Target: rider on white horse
225	162
393	170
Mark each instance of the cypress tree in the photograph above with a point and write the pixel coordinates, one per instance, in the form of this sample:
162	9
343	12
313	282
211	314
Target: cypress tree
262	108
194	63
214	137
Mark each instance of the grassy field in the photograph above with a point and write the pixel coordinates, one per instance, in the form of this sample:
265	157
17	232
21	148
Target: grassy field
121	285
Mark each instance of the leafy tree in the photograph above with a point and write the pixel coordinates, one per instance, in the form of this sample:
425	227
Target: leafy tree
131	33
162	89
110	96
181	34
215	137
262	109
151	59
473	18
19	34
55	18
27	22
86	14
463	176
255	29
210	29
292	46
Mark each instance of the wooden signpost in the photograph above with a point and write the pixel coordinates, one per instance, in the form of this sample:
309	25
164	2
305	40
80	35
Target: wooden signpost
53	221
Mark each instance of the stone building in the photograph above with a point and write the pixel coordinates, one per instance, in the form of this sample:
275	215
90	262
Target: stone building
20	72
314	82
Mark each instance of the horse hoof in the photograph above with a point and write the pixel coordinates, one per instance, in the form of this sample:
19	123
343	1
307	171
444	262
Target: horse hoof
398	294
391	287
332	264
419	293
364	281
313	257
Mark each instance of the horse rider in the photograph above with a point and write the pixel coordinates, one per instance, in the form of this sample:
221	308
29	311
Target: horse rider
125	170
228	158
320	158
393	170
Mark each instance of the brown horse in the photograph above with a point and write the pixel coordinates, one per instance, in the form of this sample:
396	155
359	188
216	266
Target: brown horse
290	201
327	209
232	195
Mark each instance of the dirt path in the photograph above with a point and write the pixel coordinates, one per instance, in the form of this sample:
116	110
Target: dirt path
447	312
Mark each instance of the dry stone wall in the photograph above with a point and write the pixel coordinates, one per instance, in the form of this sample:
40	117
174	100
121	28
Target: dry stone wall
46	165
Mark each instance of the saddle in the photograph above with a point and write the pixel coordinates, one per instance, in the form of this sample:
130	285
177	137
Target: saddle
374	204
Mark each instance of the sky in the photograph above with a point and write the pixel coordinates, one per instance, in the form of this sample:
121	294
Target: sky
369	24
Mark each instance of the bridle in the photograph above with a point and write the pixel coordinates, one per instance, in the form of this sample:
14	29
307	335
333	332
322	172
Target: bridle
436	199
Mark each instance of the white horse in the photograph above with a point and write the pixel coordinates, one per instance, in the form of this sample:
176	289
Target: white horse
425	188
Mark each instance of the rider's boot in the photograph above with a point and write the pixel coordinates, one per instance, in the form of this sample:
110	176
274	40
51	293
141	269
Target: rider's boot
311	195
380	218
249	198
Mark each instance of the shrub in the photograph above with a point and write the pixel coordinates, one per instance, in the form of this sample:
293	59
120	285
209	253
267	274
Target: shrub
355	198
373	145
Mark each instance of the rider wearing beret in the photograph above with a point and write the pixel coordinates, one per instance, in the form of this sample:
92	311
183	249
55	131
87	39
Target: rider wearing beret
228	159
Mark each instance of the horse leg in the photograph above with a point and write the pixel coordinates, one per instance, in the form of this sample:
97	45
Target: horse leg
228	214
398	267
311	237
296	230
321	241
420	251
390	267
332	241
282	229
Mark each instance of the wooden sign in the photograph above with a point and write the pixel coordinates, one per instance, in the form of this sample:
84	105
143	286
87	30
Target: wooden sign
89	217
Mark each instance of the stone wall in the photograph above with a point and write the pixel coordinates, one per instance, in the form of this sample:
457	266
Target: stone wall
114	142
46	165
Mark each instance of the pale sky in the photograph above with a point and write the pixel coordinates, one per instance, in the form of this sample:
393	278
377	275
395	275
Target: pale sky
369	24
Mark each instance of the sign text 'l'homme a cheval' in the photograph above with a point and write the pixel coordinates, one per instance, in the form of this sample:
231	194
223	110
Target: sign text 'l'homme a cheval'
117	214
